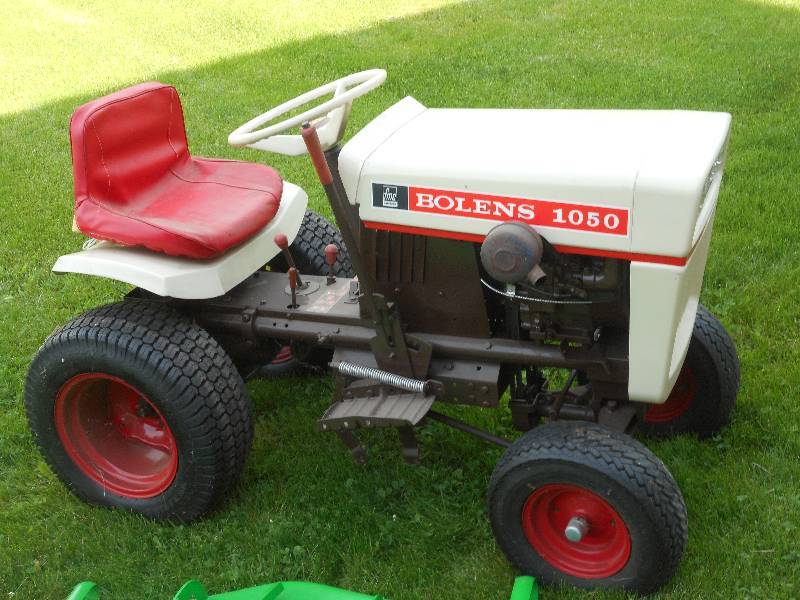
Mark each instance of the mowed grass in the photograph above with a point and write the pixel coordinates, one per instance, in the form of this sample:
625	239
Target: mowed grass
303	510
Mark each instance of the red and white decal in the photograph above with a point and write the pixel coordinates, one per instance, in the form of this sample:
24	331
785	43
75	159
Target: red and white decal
541	213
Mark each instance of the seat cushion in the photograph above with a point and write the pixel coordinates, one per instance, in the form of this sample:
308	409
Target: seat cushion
136	183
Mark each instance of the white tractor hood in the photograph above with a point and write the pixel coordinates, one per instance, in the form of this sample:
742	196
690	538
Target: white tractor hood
627	181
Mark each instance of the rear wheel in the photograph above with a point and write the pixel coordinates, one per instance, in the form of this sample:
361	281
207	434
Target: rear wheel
576	503
134	406
705	392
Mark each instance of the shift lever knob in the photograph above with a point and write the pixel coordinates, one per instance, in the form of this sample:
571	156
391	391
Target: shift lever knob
281	241
331	252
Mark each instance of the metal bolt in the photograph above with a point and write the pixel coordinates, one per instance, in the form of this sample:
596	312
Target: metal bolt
576	529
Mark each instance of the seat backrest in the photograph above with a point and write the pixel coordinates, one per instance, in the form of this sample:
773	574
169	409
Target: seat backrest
123	143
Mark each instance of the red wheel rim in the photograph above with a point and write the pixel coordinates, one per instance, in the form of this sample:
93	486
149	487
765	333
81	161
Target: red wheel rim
605	546
115	435
284	355
678	401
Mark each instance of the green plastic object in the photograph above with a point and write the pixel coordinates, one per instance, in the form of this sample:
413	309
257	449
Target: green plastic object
288	590
524	589
84	591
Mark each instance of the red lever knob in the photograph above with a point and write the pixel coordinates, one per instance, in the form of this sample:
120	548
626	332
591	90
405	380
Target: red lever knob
281	241
331	252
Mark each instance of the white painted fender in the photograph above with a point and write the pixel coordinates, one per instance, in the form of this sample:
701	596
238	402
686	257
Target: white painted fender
187	278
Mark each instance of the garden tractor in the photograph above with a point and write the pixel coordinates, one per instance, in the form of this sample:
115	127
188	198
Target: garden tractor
545	262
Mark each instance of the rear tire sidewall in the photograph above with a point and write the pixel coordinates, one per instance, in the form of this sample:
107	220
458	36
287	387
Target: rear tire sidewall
181	371
76	359
521	482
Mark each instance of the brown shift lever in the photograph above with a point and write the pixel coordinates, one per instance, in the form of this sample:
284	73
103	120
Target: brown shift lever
282	242
331	252
293	279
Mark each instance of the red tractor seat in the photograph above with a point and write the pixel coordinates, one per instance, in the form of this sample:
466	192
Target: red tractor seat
136	183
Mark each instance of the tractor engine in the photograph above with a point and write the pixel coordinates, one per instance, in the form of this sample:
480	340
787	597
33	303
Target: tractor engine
550	296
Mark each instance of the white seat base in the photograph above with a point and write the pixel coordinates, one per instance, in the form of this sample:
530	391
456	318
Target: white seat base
185	278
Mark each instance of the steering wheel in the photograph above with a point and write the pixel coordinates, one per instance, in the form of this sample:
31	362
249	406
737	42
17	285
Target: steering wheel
330	117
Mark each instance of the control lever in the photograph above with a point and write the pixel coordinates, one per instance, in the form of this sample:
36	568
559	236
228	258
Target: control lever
282	242
293	280
331	252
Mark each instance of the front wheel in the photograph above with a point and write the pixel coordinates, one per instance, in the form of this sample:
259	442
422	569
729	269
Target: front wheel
134	406
576	503
704	394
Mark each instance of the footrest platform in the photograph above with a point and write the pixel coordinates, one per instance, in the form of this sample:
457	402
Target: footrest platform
393	410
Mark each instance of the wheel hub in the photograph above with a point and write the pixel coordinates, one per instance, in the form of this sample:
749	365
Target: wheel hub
115	435
576	531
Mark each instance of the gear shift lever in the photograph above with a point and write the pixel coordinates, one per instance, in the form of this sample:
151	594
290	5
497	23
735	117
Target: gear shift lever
293	280
282	242
331	252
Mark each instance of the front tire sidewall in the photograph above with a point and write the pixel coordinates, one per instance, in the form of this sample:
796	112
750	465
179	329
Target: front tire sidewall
712	358
521	482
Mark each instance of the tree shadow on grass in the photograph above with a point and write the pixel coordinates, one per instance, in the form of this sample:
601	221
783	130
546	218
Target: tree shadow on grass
734	56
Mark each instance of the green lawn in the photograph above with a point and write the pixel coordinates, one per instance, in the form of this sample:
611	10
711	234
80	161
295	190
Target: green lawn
302	509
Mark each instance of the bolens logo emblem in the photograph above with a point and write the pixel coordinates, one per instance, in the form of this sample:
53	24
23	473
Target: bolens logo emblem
390	196
539	213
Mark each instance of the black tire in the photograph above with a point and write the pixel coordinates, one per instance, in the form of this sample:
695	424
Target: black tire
570	461
705	393
308	248
185	383
308	251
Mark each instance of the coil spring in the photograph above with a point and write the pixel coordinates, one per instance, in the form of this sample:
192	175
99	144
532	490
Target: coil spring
390	379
